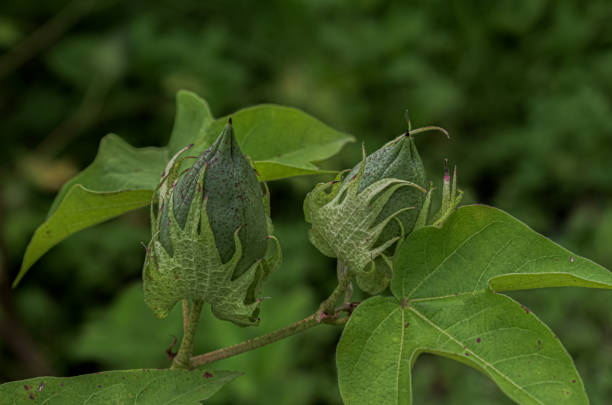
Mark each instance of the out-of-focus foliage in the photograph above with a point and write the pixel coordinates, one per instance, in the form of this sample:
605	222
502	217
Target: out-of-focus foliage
524	89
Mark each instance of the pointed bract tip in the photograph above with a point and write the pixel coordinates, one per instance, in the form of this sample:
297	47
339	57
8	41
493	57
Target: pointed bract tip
229	121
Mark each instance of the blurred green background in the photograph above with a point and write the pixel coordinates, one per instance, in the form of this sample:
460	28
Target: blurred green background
524	88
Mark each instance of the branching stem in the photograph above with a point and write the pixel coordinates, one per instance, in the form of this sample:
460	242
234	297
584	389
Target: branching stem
327	313
182	359
279	334
326	308
255	343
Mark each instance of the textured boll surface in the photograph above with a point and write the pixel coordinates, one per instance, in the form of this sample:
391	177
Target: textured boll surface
235	201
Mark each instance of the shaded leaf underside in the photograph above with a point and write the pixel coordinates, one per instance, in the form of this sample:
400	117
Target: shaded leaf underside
445	303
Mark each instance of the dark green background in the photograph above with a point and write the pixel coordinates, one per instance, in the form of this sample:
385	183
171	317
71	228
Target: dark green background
524	88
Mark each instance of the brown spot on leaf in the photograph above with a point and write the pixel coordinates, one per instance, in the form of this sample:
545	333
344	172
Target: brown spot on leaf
207	375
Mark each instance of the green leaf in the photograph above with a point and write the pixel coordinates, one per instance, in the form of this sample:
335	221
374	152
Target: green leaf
445	303
483	246
145	386
282	141
118	166
192	117
120	179
487	331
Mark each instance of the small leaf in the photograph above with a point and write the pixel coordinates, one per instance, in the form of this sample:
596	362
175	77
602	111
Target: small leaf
120	179
118	166
192	117
282	141
135	387
444	303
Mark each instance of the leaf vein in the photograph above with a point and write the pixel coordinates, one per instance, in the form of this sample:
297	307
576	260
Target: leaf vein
491	261
452	254
370	337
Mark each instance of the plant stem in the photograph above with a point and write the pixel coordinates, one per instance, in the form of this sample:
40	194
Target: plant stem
185	303
327	306
342	269
327	313
293	329
182	359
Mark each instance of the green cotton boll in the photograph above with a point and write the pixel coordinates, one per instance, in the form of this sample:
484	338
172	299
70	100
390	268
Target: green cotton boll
235	200
210	235
398	159
361	218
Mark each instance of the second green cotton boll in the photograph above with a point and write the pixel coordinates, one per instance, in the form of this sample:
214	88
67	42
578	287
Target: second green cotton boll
358	219
397	159
211	235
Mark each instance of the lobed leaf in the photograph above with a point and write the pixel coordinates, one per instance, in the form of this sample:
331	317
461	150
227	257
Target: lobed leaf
445	302
487	331
133	387
282	141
